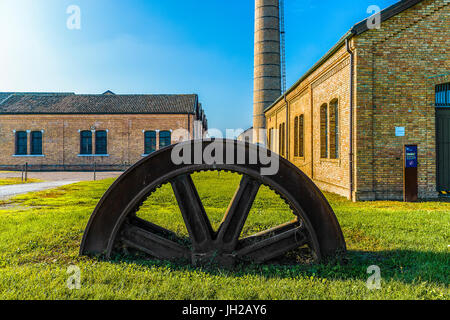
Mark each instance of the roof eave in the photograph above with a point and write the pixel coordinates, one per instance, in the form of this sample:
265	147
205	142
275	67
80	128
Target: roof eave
91	113
386	14
356	30
332	51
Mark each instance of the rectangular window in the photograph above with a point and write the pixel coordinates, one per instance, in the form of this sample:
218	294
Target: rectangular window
36	143
86	142
324	131
150	142
443	95
101	142
21	143
164	139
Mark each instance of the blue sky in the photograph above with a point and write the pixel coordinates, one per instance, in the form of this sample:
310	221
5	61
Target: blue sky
161	46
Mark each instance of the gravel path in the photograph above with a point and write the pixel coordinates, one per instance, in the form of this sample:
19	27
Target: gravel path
13	190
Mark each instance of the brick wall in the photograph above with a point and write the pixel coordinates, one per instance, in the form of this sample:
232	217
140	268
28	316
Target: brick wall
61	139
398	67
396	70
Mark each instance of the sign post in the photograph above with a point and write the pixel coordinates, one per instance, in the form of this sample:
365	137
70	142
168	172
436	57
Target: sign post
410	176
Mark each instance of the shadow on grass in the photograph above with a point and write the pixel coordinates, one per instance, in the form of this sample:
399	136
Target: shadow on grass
400	265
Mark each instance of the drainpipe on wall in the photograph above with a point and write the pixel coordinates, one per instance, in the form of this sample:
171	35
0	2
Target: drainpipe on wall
64	145
189	127
352	63
311	102
287	127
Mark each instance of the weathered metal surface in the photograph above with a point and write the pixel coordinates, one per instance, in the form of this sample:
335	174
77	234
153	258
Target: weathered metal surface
114	223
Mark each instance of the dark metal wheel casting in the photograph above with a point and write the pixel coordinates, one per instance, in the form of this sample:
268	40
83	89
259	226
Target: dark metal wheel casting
114	222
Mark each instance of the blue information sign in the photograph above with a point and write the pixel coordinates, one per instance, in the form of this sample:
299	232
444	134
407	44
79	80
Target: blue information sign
411	154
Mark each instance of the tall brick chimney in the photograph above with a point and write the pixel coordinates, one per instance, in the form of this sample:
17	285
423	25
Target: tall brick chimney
267	72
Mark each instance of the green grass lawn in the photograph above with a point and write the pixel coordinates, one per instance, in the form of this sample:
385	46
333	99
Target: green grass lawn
11	181
40	235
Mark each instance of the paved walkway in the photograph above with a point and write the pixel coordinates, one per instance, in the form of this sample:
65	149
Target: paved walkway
61	176
51	180
13	190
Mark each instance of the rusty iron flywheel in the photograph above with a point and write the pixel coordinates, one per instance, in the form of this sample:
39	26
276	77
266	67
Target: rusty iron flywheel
114	223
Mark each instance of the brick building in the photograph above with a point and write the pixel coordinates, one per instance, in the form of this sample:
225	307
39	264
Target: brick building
346	121
65	131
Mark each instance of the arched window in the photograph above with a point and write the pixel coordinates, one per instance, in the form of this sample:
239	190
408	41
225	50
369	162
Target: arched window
282	139
334	129
36	143
86	142
270	141
21	143
301	136
150	142
296	136
299	139
101	142
324	131
164	139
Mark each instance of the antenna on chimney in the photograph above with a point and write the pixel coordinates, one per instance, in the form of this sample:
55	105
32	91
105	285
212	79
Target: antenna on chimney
283	48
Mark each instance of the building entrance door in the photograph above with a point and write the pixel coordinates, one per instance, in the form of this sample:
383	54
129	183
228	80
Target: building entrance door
443	149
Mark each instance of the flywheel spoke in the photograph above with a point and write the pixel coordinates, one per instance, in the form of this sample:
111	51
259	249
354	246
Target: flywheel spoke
194	215
270	232
260	250
150	243
237	213
153	228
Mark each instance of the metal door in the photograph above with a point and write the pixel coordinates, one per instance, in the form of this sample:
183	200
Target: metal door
443	149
